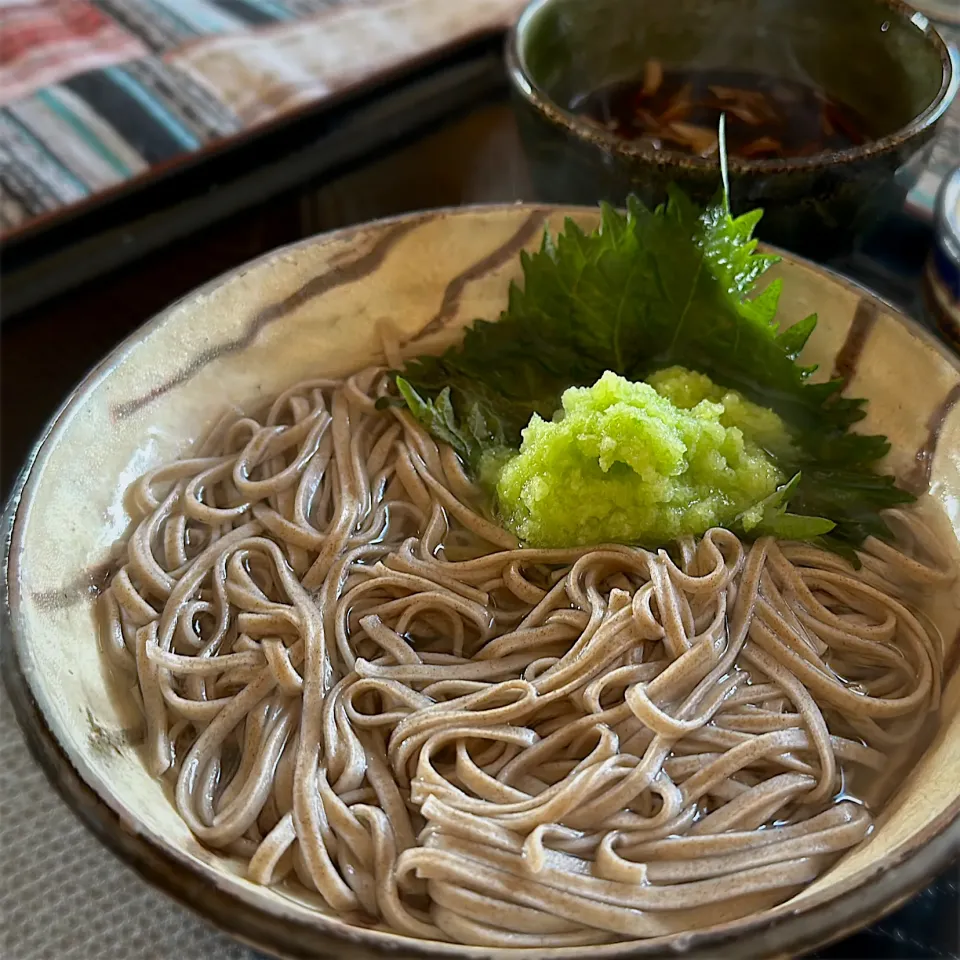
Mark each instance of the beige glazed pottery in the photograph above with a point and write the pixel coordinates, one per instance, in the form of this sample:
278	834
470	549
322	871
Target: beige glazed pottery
318	309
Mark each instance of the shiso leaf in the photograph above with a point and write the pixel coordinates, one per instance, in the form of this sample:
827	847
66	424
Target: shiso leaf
650	289
770	518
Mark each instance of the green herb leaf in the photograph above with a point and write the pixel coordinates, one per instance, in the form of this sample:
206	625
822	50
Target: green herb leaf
770	517
649	290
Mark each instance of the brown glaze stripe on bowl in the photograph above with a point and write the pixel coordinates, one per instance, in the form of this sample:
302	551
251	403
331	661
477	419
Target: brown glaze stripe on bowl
441	269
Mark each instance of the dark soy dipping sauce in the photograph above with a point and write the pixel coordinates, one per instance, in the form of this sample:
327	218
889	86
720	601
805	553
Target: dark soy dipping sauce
767	117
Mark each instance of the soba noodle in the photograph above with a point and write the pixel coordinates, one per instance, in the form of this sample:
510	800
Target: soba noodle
361	684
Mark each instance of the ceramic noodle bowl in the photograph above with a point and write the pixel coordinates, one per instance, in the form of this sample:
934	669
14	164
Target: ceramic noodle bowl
320	309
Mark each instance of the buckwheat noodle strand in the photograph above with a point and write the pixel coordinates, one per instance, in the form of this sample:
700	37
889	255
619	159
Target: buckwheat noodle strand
360	683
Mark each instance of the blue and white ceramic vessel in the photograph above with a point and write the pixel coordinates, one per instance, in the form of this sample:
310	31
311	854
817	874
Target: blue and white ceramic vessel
942	280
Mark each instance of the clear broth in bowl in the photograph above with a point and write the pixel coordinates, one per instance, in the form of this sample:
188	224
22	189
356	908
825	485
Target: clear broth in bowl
768	117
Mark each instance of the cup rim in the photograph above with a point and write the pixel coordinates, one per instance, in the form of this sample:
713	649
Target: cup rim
532	93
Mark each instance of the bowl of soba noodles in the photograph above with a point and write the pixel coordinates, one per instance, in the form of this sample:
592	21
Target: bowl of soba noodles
506	582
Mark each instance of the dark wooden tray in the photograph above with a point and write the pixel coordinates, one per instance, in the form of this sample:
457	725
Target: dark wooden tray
59	253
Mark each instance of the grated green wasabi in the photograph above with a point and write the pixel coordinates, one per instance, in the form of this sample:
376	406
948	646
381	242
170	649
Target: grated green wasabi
640	462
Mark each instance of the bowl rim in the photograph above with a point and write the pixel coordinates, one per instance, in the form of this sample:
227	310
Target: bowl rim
875	893
524	84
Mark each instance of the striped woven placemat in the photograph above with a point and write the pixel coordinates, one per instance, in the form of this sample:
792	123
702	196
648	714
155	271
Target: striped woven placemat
97	93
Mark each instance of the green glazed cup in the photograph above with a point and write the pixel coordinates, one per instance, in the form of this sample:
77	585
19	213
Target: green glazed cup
879	56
